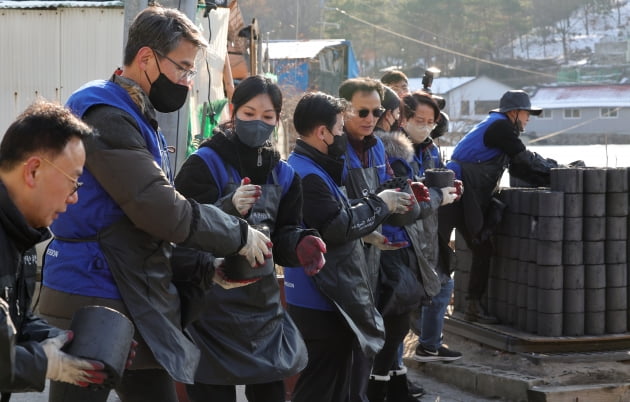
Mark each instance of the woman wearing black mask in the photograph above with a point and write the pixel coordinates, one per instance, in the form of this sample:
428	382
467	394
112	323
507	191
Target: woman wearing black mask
244	335
390	120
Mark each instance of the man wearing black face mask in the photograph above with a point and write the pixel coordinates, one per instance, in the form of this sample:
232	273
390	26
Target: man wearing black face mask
480	159
331	318
116	249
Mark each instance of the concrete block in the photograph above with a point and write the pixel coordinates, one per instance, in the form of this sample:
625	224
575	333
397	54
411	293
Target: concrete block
572	393
479	379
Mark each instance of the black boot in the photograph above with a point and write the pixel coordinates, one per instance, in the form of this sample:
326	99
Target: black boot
476	313
398	387
377	388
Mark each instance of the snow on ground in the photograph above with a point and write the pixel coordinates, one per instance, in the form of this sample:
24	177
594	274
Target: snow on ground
601	28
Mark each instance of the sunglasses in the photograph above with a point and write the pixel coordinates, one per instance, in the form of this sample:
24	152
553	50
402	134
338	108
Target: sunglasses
363	113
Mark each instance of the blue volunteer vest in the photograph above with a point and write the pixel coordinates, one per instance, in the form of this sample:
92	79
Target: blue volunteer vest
299	288
282	172
471	148
398	233
79	266
376	158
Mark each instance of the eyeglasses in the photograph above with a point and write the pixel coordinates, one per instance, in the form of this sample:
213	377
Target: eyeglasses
77	184
363	113
182	72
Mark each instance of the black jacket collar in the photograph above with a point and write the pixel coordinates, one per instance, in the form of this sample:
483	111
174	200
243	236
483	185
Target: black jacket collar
19	232
242	157
334	167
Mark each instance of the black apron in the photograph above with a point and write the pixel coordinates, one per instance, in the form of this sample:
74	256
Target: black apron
244	334
149	295
482	181
360	183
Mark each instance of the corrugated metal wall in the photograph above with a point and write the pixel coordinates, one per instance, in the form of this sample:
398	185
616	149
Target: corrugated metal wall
52	52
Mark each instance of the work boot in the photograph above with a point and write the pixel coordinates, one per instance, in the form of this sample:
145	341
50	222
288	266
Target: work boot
377	388
414	391
398	387
476	313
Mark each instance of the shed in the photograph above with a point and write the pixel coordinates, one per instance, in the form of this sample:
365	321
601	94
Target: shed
582	112
54	48
467	98
317	64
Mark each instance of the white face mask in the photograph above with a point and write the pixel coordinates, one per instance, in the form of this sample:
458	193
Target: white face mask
418	132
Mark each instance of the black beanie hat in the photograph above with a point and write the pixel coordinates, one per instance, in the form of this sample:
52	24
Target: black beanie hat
391	101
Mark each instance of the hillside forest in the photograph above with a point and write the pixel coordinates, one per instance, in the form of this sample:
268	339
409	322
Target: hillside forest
456	36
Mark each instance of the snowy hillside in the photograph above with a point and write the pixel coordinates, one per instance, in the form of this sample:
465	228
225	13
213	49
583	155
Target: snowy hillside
600	28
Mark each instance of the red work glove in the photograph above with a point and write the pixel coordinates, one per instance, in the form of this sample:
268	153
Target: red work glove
459	189
132	353
310	251
420	191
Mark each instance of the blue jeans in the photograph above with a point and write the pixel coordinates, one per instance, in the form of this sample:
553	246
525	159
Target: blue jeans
432	317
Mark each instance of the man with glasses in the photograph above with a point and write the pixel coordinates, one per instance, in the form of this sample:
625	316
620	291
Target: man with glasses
115	248
366	169
41	157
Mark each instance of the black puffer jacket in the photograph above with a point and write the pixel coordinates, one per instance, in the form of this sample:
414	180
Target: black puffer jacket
195	182
22	359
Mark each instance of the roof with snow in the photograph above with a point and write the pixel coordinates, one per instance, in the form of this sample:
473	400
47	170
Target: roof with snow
582	96
57	4
441	85
303	49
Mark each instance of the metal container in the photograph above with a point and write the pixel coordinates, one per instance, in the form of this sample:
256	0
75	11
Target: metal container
102	334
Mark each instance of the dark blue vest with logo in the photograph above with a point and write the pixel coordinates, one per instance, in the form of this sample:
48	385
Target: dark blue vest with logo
471	148
78	266
300	290
414	170
376	158
282	172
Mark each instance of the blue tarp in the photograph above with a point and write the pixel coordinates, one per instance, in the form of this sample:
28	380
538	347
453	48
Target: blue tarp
290	61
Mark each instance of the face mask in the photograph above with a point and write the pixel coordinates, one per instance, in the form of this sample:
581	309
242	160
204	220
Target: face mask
418	132
338	146
253	133
165	95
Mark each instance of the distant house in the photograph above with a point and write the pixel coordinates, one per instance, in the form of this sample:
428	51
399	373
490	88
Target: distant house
587	113
467	98
320	64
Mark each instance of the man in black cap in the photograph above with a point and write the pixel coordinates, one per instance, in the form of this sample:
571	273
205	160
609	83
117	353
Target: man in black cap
480	159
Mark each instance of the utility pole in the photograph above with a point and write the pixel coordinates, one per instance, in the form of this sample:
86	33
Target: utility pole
297	19
132	8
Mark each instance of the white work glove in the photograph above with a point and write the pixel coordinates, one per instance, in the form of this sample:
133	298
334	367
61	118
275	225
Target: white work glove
382	243
449	195
257	248
245	196
222	280
397	202
67	368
